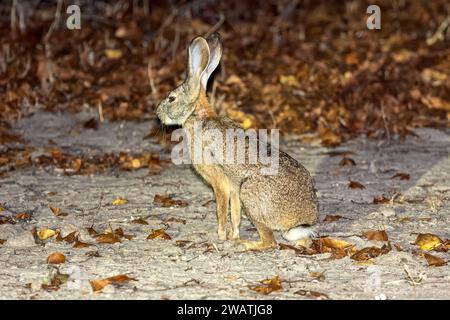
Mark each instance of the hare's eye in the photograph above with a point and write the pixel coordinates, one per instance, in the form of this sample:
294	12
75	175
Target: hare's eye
171	99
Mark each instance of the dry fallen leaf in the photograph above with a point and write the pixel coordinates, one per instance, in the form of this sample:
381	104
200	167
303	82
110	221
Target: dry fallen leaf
331	218
56	258
44	234
289	80
71	237
78	244
54	283
113	54
177	220
380	200
355	185
347	162
370	253
140	221
335	243
135	163
57	212
98	285
23	216
401	176
119	202
376	235
298	250
428	241
268	285
92	232
119	232
166	202
313	294
2	241
434	261
107	238
159	234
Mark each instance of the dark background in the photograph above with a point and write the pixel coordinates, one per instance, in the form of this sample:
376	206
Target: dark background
300	66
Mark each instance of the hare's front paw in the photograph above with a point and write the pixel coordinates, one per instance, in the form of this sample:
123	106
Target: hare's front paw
222	234
233	235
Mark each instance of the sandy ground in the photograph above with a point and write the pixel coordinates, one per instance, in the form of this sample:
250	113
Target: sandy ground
206	268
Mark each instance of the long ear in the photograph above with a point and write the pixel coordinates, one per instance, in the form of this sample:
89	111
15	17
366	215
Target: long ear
215	48
198	59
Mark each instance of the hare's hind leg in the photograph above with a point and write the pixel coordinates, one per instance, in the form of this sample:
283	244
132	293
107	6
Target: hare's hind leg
267	239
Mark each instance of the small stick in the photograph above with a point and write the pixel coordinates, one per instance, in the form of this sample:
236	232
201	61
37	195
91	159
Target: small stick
216	26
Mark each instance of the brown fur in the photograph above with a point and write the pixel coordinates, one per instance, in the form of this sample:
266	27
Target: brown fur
272	202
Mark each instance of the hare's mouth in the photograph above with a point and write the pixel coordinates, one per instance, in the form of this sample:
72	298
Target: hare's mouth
165	119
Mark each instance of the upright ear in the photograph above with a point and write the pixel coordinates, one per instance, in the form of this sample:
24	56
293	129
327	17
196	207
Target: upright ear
198	59
215	49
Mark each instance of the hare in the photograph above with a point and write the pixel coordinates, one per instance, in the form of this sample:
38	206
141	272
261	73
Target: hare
285	201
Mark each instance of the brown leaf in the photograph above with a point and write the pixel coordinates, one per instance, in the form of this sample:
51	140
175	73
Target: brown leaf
312	294
380	200
140	221
177	220
298	250
75	164
338	248
119	232
335	243
366	254
355	185
434	261
78	244
370	252
182	243
56	258
347	162
268	285
159	234
71	237
107	238
331	218
376	235
98	285
93	253
55	282
56	154
92	232
401	176
2	241
165	202
23	216
57	212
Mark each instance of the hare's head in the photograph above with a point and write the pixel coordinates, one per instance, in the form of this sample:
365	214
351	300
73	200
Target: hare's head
203	57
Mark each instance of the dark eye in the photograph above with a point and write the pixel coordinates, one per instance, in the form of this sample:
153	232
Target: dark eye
171	99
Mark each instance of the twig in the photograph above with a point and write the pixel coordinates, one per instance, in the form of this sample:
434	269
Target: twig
100	111
386	127
55	21
151	81
216	26
439	35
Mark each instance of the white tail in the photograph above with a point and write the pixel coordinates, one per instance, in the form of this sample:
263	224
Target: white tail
298	233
